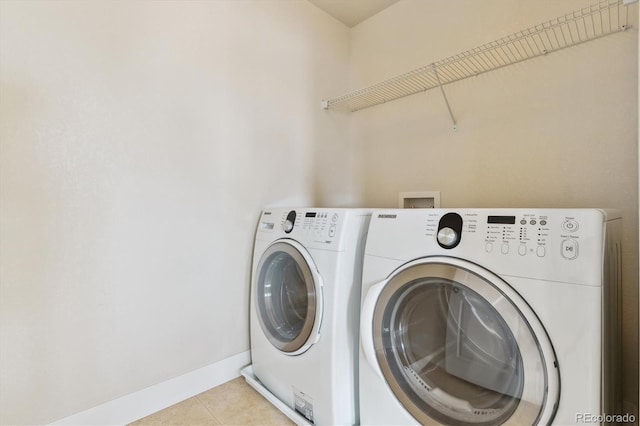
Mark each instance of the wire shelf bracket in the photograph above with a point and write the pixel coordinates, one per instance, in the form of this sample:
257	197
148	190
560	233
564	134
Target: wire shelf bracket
598	20
444	95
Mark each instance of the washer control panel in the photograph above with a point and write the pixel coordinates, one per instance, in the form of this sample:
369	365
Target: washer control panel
320	227
321	224
334	229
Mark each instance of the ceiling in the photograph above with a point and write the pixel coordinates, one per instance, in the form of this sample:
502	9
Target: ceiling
352	12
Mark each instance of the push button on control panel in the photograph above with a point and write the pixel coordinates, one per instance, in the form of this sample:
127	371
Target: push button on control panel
570	225
569	249
522	249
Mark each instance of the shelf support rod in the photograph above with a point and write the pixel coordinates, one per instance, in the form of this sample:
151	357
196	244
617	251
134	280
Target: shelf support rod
435	73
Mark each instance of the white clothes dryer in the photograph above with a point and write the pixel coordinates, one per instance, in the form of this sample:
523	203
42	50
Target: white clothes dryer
304	316
490	316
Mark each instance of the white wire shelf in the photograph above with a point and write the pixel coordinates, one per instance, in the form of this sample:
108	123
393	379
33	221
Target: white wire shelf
590	23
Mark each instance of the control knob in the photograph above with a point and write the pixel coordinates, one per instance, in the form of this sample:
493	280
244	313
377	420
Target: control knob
447	237
287	226
289	223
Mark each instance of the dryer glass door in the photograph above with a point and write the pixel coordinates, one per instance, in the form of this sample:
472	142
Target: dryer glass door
288	297
455	348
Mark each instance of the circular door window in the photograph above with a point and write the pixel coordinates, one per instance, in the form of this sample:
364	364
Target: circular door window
288	297
457	345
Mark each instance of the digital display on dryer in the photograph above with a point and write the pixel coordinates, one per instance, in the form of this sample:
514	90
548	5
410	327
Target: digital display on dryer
503	220
310	214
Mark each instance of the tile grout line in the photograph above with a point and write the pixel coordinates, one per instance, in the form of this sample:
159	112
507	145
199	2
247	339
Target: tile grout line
208	410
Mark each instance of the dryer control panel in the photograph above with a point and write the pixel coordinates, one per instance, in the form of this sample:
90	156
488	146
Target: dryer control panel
525	233
529	234
556	244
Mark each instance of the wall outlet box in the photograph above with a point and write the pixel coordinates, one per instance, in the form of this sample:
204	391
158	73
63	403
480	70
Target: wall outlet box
419	200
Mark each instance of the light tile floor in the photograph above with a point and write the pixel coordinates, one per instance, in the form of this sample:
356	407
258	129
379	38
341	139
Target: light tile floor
232	403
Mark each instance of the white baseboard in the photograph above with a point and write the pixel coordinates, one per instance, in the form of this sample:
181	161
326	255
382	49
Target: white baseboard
137	405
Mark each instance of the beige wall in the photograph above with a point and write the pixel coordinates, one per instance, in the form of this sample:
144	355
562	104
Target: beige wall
556	131
138	143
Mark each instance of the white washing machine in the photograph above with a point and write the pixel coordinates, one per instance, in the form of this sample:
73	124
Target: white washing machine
305	303
490	316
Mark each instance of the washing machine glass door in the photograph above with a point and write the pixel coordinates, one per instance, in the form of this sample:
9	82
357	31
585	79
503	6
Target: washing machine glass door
289	297
457	345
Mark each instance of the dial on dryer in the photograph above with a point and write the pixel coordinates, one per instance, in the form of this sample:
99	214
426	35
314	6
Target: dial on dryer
449	230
